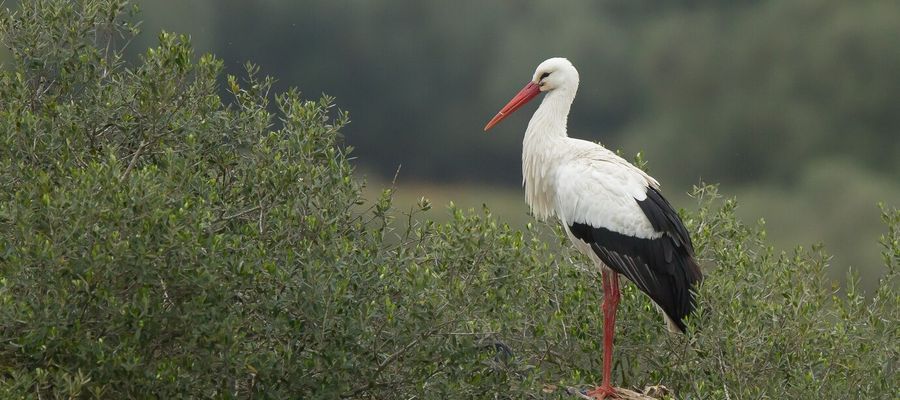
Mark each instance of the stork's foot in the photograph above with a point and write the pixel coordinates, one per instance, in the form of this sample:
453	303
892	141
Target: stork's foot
603	392
650	393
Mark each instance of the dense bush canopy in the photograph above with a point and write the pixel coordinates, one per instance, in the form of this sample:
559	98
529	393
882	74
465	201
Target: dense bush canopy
159	240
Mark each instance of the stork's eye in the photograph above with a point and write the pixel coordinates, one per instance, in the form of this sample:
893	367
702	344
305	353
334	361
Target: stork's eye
544	75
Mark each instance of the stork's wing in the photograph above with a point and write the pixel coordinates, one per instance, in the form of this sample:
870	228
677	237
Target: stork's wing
619	212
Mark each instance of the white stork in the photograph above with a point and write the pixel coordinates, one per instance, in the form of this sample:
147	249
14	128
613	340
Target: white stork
611	210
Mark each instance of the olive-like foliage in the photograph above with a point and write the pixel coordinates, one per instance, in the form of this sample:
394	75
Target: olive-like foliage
170	232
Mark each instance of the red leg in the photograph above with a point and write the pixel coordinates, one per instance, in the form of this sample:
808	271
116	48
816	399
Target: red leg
611	295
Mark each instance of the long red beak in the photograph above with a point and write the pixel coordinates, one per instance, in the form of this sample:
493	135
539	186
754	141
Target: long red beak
524	96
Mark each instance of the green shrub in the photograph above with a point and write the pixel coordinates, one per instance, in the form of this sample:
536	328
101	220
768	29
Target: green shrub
161	241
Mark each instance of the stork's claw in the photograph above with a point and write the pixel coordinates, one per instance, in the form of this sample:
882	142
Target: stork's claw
603	392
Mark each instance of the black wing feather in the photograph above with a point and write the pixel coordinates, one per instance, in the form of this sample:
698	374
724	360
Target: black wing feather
664	267
664	218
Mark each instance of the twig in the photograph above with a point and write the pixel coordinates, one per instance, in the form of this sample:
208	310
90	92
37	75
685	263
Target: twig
137	153
577	393
371	384
240	214
391	358
396	174
396	354
261	215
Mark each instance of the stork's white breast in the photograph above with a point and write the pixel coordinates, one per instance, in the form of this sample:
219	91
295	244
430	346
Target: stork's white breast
603	192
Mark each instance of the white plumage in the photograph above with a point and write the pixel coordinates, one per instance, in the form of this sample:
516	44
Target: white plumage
611	210
573	179
601	190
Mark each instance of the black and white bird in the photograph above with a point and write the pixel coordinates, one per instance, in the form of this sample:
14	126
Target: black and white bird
611	210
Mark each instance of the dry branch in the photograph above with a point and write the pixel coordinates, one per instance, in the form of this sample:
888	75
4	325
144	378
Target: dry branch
650	393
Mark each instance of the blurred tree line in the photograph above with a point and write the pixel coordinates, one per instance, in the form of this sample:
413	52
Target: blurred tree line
733	91
791	105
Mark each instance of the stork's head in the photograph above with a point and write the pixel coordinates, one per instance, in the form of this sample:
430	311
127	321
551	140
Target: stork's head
555	74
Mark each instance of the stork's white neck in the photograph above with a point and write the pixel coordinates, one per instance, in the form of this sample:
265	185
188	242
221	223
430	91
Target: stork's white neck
542	149
551	116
